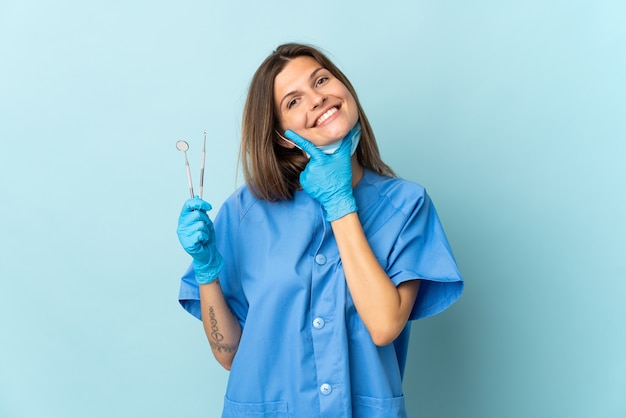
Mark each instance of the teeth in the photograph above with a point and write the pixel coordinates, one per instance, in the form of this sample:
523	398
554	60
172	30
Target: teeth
325	116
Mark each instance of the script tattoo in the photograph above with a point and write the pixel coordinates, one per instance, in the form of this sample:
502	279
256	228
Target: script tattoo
216	336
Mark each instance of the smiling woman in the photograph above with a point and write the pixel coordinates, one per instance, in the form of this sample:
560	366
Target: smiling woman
308	281
313	103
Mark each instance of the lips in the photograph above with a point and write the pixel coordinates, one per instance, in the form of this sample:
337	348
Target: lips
326	115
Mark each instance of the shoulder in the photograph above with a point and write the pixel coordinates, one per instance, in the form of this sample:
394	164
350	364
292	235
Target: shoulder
243	204
400	193
387	184
239	203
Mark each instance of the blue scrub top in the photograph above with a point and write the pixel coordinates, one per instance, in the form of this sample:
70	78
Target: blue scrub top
304	351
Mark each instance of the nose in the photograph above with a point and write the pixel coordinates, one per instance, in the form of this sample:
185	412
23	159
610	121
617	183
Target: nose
317	100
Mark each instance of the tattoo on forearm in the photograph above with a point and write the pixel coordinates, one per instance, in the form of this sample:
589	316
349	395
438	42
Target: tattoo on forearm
216	337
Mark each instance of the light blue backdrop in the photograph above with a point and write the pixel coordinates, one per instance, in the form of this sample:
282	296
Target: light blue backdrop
511	113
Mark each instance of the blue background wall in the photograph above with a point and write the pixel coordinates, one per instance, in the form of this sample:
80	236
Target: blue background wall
511	113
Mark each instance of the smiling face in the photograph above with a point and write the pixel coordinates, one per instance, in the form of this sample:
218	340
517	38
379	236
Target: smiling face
312	102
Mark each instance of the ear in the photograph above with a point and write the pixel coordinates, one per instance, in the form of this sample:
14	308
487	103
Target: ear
282	141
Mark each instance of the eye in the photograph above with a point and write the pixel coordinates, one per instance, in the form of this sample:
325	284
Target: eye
321	81
292	103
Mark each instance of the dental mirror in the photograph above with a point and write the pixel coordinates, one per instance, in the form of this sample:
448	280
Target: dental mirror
183	146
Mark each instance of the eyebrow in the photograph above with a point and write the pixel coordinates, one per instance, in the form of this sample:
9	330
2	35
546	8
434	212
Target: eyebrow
311	77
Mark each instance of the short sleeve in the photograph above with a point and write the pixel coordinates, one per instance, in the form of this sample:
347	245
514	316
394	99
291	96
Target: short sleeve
422	251
189	293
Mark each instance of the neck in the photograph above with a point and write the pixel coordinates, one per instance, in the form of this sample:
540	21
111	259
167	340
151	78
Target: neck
357	171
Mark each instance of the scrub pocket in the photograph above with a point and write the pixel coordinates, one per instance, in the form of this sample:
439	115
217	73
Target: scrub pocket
366	407
266	409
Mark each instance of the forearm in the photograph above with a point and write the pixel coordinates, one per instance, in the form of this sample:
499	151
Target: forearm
220	324
383	307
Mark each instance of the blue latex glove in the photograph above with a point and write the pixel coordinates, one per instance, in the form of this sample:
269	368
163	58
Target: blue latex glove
196	234
328	178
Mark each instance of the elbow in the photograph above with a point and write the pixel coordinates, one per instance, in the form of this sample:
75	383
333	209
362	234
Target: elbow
224	359
382	340
226	363
224	354
386	333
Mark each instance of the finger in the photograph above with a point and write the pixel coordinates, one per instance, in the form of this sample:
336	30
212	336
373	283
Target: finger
196	204
189	233
188	219
195	243
200	237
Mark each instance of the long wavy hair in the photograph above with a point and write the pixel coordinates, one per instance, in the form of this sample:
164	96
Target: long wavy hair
272	171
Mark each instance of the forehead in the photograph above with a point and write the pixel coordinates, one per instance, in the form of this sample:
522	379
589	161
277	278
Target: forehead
296	72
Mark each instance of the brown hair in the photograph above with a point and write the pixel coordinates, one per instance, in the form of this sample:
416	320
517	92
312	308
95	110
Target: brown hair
272	171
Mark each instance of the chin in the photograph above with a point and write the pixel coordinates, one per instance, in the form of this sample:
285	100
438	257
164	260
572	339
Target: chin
335	135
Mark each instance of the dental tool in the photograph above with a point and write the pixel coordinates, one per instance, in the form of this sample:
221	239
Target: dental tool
183	146
202	165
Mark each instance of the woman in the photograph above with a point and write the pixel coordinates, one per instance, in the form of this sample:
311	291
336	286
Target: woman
315	267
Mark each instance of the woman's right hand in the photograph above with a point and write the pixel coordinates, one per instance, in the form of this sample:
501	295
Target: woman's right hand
328	178
196	235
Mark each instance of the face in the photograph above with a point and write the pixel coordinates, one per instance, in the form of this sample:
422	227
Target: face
313	103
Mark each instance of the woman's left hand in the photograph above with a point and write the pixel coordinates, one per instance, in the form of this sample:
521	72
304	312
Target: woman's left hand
328	178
